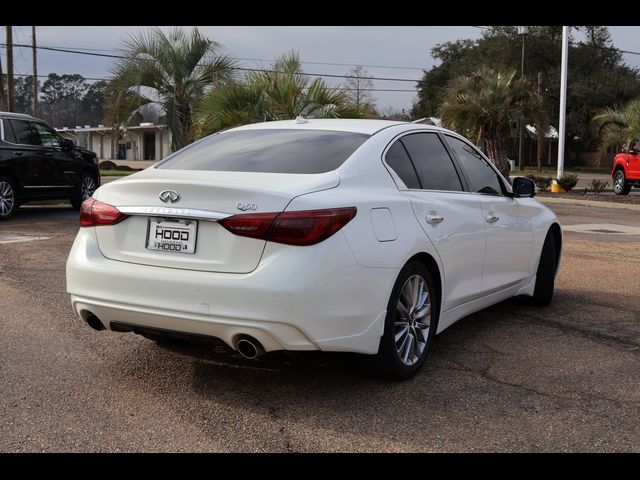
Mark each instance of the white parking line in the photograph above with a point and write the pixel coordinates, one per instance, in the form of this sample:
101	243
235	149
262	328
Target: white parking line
602	229
20	238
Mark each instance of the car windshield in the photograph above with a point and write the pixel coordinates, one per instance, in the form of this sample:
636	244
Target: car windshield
268	151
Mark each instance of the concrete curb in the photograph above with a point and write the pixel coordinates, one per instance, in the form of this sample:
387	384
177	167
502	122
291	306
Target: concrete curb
589	203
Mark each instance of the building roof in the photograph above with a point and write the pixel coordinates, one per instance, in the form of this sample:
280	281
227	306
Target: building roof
15	115
110	129
550	133
368	127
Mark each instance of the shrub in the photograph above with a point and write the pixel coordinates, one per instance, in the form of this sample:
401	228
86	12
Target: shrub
108	165
568	181
542	183
598	186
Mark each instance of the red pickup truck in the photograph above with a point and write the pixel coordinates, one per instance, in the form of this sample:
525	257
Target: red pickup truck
626	169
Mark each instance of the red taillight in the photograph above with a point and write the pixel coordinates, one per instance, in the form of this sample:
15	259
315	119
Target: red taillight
254	225
306	227
94	213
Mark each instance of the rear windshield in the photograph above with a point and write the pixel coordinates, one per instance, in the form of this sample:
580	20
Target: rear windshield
268	151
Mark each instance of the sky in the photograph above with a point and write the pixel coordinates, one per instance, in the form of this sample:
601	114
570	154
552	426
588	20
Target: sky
391	52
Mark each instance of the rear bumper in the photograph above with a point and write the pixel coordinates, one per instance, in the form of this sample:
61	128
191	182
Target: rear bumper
299	298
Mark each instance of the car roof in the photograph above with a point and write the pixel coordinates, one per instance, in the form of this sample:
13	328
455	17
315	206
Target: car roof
368	127
16	115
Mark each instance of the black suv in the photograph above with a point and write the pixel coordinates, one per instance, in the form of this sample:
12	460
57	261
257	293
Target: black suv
36	163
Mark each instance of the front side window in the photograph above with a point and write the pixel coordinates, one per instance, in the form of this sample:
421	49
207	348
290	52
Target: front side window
432	162
482	178
400	162
268	151
48	137
23	133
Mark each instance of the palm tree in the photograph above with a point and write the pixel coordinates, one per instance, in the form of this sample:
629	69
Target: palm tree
485	105
172	71
279	93
619	125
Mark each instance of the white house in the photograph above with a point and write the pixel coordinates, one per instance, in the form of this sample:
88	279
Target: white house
141	142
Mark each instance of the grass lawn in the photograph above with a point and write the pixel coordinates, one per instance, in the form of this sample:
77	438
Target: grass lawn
551	171
115	173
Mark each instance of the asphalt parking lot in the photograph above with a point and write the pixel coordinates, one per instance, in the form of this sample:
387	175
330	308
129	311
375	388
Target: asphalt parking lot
510	378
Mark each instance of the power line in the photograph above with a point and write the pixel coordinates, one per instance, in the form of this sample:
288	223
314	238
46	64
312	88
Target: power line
47	76
328	75
331	88
393	67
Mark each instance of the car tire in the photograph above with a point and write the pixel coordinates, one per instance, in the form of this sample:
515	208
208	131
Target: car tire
8	203
88	185
620	184
546	273
406	313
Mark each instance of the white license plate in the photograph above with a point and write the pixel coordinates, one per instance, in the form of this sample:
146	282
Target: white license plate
172	235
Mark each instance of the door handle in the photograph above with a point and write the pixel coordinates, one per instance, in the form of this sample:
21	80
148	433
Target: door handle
434	218
492	218
48	154
17	153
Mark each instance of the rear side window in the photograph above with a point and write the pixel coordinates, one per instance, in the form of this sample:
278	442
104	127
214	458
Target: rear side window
481	177
400	162
433	163
24	134
268	151
9	136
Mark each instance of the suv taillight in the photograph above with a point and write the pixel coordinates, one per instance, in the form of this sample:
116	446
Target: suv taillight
305	227
94	213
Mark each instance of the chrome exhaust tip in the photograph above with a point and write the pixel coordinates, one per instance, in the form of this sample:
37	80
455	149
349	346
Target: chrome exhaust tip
249	348
94	322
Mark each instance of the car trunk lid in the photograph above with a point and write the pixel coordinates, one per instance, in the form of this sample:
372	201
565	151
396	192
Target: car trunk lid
203	197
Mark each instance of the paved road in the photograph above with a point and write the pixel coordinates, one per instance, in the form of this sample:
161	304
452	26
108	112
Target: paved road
510	378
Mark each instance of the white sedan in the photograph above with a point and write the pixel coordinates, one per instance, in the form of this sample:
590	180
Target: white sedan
361	236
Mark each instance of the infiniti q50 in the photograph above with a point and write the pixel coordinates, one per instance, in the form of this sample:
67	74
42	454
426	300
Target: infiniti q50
362	236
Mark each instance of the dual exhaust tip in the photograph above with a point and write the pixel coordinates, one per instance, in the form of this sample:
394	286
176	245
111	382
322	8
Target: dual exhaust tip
249	347
246	346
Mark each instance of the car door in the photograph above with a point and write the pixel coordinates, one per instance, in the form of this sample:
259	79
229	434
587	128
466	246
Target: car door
508	220
633	160
63	168
451	218
26	158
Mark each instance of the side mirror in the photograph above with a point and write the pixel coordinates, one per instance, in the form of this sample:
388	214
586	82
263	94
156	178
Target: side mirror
67	144
523	187
633	151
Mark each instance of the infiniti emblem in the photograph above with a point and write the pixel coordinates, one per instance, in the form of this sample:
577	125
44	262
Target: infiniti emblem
169	196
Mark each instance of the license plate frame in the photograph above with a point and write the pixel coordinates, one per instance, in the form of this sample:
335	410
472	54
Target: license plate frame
177	228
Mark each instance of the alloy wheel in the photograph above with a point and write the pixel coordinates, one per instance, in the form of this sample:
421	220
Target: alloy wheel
618	181
413	320
88	187
7	198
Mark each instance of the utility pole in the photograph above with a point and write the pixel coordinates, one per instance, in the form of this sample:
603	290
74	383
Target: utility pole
522	31
9	31
34	90
563	99
3	100
540	133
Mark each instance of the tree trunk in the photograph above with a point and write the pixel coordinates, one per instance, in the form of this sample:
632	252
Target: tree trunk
181	127
498	152
540	151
